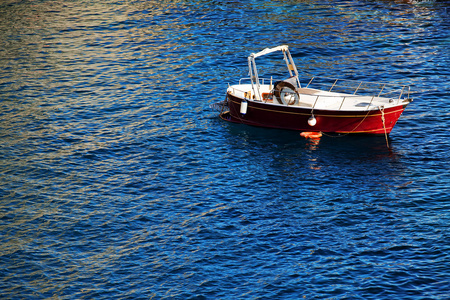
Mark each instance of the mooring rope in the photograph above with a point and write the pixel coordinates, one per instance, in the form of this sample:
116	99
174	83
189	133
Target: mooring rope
225	102
342	135
381	108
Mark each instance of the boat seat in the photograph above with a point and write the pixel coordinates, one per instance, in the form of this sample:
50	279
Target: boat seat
306	91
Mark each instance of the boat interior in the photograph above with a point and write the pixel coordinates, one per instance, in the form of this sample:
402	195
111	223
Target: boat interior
328	94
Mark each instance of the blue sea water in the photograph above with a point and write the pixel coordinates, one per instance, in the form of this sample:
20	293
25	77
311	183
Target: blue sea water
118	182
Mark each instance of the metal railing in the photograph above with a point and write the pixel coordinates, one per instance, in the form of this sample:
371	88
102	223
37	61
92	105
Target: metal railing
347	89
261	80
363	88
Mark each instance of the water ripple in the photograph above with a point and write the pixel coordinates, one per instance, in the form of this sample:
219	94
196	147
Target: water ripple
118	182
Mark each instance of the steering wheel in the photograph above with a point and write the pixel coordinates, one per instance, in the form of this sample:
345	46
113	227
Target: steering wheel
285	93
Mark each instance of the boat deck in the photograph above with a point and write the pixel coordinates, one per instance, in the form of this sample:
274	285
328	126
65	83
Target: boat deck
317	99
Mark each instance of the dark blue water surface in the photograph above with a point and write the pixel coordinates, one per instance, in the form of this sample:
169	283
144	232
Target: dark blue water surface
118	182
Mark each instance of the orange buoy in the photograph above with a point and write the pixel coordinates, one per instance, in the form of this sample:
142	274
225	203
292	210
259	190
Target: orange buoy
311	135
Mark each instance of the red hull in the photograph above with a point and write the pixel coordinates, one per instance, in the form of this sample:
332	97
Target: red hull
296	118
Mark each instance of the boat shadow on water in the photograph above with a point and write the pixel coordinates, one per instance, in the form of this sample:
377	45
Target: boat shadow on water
373	147
286	157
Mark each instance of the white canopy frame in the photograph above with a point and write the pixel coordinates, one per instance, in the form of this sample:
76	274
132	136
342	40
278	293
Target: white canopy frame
253	71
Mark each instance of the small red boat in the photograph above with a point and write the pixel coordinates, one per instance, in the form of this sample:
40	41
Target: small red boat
323	105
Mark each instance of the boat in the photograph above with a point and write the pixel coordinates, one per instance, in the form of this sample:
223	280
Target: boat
324	105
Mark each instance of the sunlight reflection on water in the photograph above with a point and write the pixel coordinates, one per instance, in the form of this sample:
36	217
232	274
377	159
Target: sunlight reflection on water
118	182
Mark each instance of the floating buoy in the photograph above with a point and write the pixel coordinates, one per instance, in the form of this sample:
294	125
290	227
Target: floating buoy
244	107
312	121
311	135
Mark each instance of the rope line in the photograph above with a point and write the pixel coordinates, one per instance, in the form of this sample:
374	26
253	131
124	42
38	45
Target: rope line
381	108
345	134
